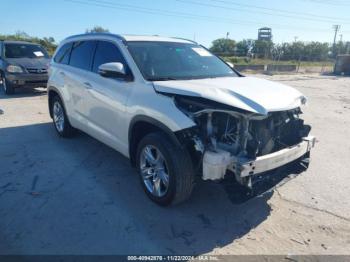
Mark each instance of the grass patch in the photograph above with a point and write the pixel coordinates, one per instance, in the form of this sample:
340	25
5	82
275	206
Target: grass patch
258	61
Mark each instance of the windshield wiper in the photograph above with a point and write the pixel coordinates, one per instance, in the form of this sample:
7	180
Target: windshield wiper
161	79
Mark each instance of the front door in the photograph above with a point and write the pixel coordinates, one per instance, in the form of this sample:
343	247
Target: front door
107	97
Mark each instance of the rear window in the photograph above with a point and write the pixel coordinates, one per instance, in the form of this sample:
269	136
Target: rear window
82	53
62	56
15	50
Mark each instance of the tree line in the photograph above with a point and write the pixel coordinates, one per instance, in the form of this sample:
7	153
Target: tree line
48	43
298	50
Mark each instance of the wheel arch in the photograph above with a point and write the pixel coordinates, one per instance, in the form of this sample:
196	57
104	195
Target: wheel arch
53	92
142	125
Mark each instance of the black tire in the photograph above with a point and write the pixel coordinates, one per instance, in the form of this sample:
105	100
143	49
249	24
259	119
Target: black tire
179	167
7	86
66	130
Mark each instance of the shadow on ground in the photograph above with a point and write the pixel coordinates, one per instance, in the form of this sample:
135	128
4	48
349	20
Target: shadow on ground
23	92
77	196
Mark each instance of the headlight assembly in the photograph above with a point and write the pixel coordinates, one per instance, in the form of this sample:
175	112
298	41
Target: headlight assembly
14	69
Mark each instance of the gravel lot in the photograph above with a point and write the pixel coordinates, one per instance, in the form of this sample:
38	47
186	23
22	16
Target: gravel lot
78	196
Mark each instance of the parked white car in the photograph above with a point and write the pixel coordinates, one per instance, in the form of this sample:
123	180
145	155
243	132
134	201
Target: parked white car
175	109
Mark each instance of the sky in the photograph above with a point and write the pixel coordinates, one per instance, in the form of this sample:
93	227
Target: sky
199	20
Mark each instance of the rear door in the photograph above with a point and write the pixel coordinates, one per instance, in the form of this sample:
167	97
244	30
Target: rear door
77	79
106	101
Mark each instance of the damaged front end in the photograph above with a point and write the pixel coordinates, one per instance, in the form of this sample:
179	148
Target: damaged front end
227	138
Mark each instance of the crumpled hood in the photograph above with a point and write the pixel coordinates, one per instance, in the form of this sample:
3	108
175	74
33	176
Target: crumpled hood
29	62
248	93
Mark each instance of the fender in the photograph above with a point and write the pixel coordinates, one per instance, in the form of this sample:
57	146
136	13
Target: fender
51	88
157	124
154	122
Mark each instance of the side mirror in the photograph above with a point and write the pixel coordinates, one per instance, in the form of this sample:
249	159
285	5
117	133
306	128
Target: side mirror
112	70
230	64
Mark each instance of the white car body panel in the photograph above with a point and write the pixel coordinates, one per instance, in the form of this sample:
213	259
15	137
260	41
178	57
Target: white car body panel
106	108
247	93
61	79
254	127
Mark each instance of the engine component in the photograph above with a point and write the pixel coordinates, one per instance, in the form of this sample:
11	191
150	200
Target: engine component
215	164
223	133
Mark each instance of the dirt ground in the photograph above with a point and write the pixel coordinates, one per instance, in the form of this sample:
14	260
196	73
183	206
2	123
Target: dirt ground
77	196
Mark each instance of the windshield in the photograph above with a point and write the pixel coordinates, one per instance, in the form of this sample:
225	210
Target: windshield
25	51
159	61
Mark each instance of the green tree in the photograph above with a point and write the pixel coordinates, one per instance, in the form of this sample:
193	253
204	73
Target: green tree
293	51
316	51
47	42
244	47
96	29
223	46
305	51
277	52
342	48
262	48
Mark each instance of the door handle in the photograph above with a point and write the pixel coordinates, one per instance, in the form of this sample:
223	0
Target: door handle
87	85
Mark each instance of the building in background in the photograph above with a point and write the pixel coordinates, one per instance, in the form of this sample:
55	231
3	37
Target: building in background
265	34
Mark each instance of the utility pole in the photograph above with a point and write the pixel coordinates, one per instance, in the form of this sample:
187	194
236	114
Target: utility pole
227	34
336	29
341	38
295	38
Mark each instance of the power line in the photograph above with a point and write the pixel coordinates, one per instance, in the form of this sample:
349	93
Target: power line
140	9
261	12
133	8
143	10
280	10
331	2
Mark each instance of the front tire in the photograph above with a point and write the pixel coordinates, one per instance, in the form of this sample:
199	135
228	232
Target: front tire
60	119
8	88
165	170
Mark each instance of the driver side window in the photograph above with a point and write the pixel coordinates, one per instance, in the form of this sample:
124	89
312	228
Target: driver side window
107	52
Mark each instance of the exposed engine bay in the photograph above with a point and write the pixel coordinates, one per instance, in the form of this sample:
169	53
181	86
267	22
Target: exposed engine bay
225	135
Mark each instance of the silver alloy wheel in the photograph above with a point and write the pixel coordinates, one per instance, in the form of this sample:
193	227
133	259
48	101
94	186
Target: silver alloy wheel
154	171
58	116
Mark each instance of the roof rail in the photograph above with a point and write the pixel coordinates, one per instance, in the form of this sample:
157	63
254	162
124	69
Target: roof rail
194	42
97	34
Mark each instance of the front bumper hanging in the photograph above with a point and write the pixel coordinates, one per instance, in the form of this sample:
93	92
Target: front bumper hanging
246	167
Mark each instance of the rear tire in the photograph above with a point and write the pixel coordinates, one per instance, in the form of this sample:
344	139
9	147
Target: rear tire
176	165
6	85
60	119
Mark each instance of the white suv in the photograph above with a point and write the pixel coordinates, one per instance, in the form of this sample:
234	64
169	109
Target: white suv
175	109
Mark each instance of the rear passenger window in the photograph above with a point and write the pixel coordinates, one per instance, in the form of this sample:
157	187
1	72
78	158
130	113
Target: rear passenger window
62	56
82	53
106	52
